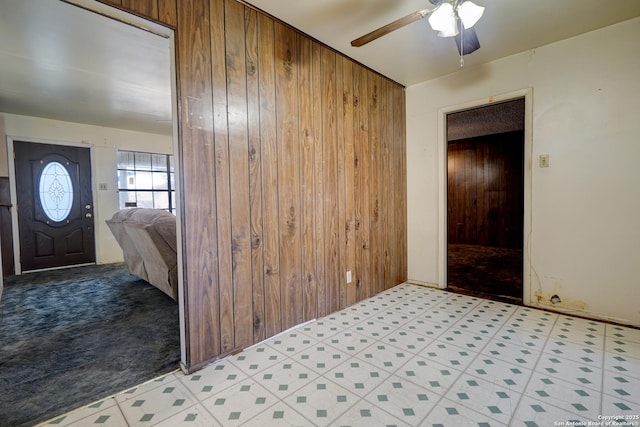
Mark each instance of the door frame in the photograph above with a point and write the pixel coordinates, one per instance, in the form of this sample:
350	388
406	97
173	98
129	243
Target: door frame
527	94
145	24
14	194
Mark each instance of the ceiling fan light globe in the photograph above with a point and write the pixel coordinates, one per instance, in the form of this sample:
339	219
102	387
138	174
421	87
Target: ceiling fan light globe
470	13
443	20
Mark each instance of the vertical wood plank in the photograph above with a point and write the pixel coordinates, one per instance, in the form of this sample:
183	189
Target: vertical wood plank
147	8
403	191
385	172
330	177
364	285
223	197
271	237
357	182
398	184
318	137
374	183
168	12
288	174
255	174
307	180
350	132
198	194
239	174
340	190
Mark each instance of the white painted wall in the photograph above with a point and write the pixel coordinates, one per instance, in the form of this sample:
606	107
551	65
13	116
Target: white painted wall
104	143
585	208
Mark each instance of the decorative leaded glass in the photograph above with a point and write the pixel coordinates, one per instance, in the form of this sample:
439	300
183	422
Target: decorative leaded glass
56	191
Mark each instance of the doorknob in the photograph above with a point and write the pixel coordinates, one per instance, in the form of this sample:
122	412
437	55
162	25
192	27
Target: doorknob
88	215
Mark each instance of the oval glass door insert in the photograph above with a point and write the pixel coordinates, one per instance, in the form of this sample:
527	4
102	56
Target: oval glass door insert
56	191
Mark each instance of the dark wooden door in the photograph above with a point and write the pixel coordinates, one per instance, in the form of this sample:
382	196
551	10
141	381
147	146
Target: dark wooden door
55	205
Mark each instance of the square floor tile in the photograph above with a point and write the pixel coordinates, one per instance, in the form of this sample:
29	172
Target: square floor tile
580	374
496	306
365	414
357	376
212	379
614	405
621	386
290	342
622	346
110	417
578	336
534	325
321	401
622	364
393	318
321	357
477	326
536	413
152	406
464	339
345	318
443	317
257	358
449	355
90	413
427	372
385	356
448	413
196	416
425	327
586	325
490	316
278	415
582	401
350	342
364	309
492	401
524	357
623	332
240	403
406	340
499	372
147	386
320	329
403	399
374	328
574	351
284	378
523	338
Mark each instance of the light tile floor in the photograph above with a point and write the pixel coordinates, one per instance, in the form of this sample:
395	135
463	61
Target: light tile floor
411	356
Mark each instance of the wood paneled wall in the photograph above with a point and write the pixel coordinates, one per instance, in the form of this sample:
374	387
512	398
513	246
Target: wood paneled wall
485	196
293	172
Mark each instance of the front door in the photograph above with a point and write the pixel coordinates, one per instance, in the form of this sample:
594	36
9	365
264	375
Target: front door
55	205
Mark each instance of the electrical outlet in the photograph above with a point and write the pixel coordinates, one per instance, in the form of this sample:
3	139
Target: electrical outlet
102	186
543	160
349	276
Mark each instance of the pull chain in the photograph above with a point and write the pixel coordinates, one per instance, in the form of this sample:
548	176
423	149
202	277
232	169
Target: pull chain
461	45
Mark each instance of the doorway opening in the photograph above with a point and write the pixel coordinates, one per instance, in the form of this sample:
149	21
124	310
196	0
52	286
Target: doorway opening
485	200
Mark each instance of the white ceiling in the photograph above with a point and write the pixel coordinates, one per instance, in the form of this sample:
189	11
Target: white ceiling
414	53
63	62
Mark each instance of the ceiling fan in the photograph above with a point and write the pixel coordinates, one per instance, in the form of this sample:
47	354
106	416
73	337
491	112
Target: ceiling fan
450	18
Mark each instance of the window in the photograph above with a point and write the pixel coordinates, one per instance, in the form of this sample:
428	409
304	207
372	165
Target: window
146	180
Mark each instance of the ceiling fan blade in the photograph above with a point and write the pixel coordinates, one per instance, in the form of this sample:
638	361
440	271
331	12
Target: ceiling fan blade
384	30
470	42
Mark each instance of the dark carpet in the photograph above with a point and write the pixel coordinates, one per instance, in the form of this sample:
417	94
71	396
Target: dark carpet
70	337
485	271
